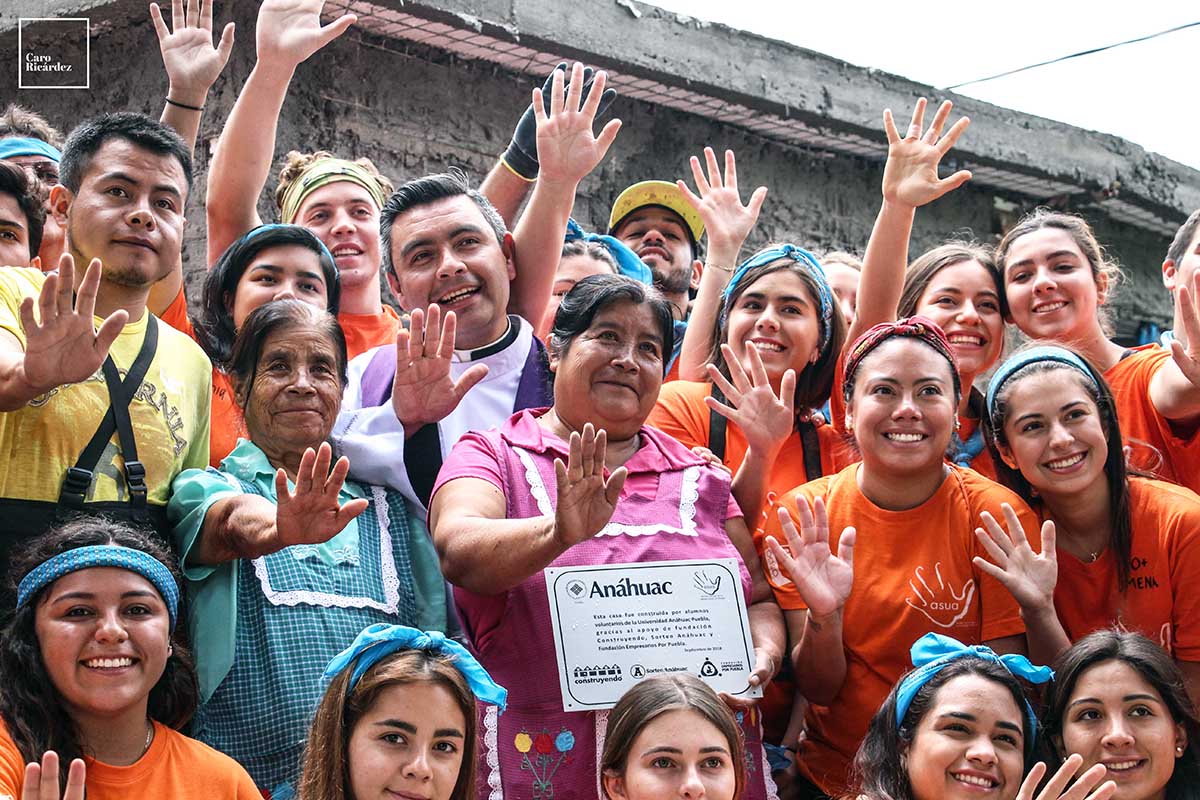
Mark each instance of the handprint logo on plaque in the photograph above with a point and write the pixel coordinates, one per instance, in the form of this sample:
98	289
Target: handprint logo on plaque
942	604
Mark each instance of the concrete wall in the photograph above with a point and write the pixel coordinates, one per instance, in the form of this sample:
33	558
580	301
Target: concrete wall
414	110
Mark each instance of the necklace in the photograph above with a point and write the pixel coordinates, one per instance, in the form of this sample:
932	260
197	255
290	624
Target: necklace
149	738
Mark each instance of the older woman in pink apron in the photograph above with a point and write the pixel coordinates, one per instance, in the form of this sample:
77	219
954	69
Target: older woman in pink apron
584	482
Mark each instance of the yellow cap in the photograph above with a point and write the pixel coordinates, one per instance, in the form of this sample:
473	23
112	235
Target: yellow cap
656	193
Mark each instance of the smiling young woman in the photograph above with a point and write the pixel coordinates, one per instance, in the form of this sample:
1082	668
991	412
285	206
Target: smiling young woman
1118	700
1118	549
670	736
909	518
1058	279
959	726
92	671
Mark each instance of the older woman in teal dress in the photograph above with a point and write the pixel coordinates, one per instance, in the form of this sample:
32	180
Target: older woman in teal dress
286	560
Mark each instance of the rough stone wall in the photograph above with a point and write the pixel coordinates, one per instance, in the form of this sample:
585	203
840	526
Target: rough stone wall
413	110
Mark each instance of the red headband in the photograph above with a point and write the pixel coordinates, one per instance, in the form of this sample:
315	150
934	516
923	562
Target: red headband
917	327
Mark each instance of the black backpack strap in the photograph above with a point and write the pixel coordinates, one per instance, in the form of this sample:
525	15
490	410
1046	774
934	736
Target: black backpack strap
120	395
812	449
716	427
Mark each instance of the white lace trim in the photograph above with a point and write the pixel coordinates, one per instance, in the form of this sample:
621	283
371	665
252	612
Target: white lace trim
601	730
391	581
491	754
768	779
689	493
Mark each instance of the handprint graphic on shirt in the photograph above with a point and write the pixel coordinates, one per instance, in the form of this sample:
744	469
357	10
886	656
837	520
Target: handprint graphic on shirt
941	604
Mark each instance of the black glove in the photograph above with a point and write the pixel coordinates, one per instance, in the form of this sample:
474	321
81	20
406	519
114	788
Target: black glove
521	155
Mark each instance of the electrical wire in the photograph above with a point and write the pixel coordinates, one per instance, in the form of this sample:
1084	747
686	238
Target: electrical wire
1076	55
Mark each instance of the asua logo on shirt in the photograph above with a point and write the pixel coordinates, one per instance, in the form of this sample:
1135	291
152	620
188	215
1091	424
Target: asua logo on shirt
942	604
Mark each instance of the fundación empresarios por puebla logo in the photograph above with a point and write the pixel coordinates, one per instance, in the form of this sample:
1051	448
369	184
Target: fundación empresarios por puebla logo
54	53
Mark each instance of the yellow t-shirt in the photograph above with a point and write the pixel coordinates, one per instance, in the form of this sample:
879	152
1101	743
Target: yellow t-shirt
170	413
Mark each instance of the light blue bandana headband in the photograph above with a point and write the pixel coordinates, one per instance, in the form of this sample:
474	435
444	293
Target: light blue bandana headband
811	266
933	652
380	640
28	147
1030	356
628	263
103	555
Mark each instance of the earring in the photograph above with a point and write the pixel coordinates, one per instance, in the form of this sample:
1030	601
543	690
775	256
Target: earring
1179	750
170	650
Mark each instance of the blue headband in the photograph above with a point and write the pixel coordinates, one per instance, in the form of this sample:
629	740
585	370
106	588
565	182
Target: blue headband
278	226
28	147
380	640
103	555
811	266
628	263
1030	356
933	652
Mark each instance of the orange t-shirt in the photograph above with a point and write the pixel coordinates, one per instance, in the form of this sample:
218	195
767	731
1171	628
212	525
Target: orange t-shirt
175	766
912	575
1160	599
981	463
1154	445
363	331
682	413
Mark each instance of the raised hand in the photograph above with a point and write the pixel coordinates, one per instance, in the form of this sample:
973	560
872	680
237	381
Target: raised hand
1081	789
822	578
727	222
423	392
310	513
64	347
765	419
41	780
567	149
1029	577
910	177
289	31
1188	358
192	62
586	500
521	155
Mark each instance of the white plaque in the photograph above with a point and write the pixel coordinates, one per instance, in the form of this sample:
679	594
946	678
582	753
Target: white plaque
615	624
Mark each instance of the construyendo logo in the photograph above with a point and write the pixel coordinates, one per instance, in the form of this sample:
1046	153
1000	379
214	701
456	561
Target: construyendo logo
53	53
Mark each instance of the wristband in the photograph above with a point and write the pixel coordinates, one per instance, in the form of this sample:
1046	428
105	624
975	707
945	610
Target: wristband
184	105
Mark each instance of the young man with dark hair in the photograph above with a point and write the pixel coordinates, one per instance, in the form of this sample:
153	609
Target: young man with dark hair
101	417
22	216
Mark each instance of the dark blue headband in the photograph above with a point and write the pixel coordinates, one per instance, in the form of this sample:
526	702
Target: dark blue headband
810	264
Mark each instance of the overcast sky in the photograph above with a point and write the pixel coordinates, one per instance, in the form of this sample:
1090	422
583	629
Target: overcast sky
1145	92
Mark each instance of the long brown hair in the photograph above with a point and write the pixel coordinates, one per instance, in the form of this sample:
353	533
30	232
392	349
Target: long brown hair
326	772
676	691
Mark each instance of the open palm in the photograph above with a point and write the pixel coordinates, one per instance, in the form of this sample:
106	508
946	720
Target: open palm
823	579
63	346
310	513
289	31
191	61
567	148
586	500
910	176
764	418
423	391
